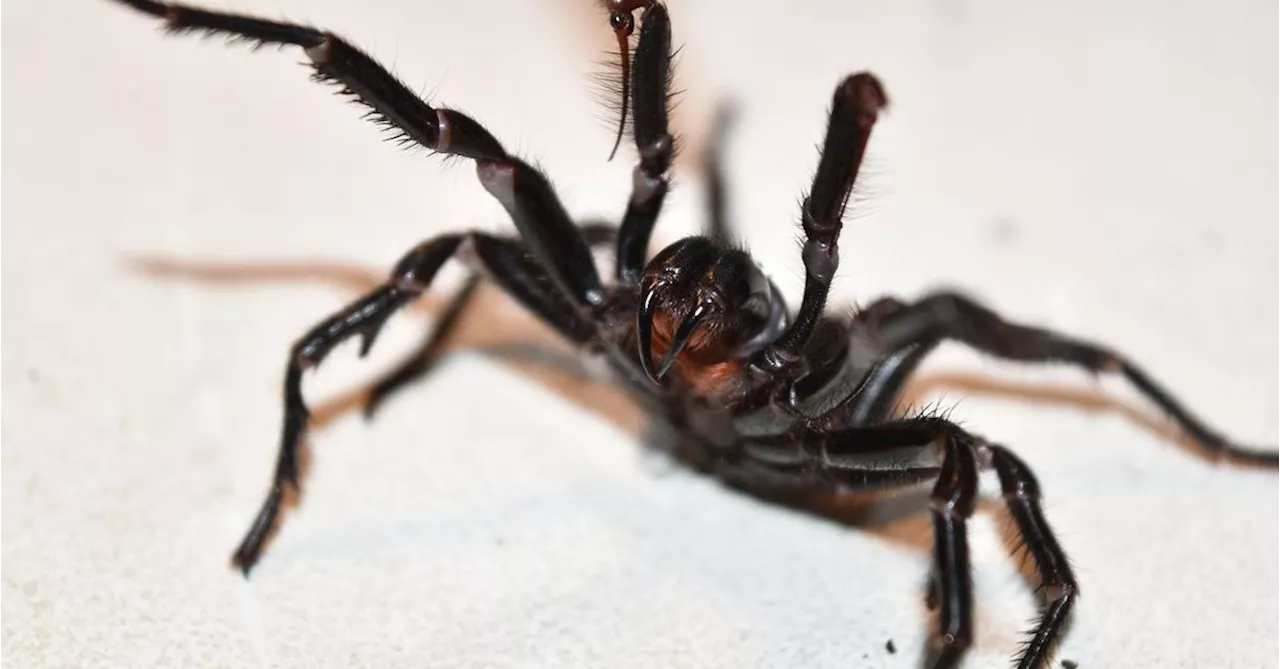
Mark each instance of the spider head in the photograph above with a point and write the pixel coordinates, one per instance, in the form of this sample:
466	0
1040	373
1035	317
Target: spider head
703	305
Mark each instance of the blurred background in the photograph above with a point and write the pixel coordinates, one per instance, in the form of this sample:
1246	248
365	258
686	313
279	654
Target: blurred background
180	211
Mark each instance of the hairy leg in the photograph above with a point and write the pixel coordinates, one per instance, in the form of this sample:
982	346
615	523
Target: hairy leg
854	109
505	262
904	334
650	88
521	189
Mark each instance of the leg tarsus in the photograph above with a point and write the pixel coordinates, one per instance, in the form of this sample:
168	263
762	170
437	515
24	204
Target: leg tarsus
247	553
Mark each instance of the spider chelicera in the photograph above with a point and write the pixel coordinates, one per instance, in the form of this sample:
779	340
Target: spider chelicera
765	397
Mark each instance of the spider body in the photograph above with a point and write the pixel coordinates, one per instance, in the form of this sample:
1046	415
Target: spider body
761	395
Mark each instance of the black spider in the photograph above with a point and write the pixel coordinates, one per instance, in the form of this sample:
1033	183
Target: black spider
766	398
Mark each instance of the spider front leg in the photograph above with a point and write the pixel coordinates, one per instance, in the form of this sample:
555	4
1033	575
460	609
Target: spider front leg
854	109
521	189
904	334
560	282
504	261
650	94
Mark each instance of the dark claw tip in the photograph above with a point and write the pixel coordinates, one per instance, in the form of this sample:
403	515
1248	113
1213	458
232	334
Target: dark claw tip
644	332
243	563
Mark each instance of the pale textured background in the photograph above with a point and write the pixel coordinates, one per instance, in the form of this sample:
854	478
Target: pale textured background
179	211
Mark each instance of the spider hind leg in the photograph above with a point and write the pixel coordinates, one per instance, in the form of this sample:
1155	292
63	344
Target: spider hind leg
905	334
904	452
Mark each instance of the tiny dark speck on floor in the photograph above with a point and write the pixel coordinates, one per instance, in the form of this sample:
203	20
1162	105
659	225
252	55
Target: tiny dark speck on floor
888	645
1068	664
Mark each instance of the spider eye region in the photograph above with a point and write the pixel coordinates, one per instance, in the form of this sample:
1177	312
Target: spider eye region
703	307
622	22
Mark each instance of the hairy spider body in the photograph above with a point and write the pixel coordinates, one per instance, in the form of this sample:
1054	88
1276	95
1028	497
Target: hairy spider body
761	395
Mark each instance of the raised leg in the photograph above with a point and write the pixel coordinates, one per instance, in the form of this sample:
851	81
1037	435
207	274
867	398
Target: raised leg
905	334
505	262
523	191
650	88
718	227
892	454
420	362
857	102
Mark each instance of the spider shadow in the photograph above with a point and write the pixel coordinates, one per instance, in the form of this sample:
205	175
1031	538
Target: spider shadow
897	515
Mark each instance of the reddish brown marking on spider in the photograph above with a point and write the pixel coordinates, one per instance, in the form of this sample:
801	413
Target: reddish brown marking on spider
705	364
760	394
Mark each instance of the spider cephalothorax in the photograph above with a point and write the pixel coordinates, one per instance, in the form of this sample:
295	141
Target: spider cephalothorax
762	396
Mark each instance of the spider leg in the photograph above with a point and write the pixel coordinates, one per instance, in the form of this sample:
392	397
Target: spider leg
504	261
907	333
891	455
521	189
1057	585
718	227
428	353
423	359
854	109
952	502
650	98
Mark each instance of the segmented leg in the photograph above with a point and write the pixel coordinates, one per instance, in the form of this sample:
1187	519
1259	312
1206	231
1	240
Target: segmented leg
521	189
906	333
597	235
650	88
891	454
856	104
428	353
952	502
503	261
559	283
1057	585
